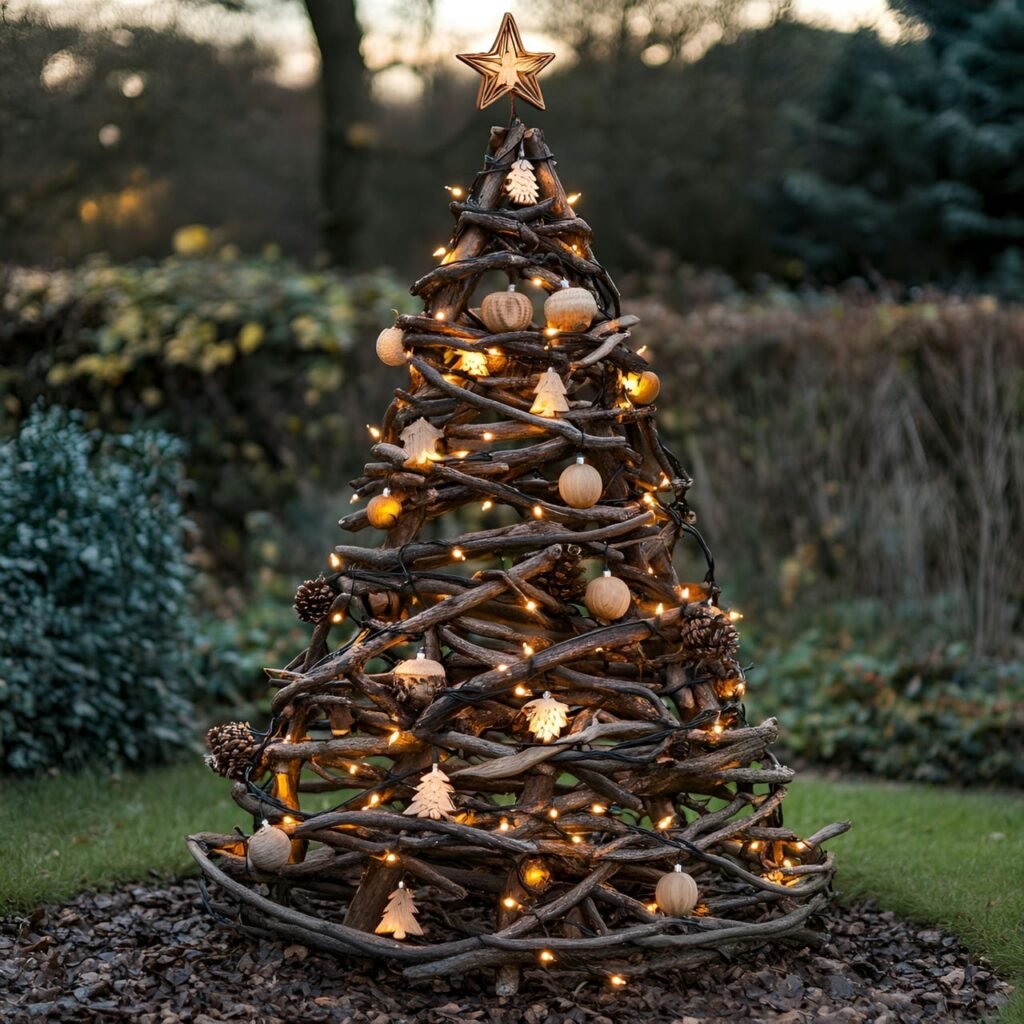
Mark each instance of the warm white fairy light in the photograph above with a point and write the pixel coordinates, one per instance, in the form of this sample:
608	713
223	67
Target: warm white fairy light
573	198
617	981
338	617
521	691
538	512
666	822
537	282
395	736
374	431
456	191
391	858
488	436
458	554
546	956
577	839
335	560
503	825
531	605
553	813
503	667
735	616
528	651
509	903
598	808
440	315
441	250
487	505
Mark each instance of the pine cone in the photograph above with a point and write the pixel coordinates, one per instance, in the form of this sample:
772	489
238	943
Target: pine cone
233	748
564	580
707	634
313	600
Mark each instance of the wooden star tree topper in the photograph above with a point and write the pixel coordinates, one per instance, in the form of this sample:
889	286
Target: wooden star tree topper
508	69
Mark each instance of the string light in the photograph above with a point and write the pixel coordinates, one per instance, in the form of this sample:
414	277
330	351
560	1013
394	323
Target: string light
395	736
441	250
538	512
503	667
335	560
354	500
537	282
487	505
338	617
573	198
553	813
755	846
510	903
598	809
551	332
521	691
287	820
503	825
546	956
352	769
374	799
666	822
735	616
652	907
374	432
456	191
660	610
440	315
577	839
391	858
617	981
458	555
531	605
488	436
528	651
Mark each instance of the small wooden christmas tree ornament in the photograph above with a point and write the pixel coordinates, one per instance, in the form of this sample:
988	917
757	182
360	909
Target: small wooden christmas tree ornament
384	510
268	849
676	893
420	442
521	183
506	311
474	363
391	347
570	309
607	597
399	917
580	484
433	797
419	680
547	716
550	392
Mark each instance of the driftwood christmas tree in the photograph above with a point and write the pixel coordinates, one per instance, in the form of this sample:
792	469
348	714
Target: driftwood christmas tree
601	803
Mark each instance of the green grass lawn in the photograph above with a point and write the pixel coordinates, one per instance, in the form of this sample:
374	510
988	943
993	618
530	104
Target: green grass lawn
954	859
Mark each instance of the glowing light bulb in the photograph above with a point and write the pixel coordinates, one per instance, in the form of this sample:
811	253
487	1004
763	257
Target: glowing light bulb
395	736
801	845
391	858
509	903
374	799
335	560
439	251
666	821
755	846
338	617
553	813
458	555
617	981
717	728
660	610
487	505
573	198
528	651
521	691
652	907
546	956
440	315
531	606
735	616
456	191
577	840
538	512
551	331
287	820
354	500
684	593
598	808
352	769
488	436
537	282
503	825
503	667
374	432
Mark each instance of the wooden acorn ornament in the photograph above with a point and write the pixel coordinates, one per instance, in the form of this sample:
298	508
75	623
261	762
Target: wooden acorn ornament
607	597
268	849
419	680
384	510
676	893
580	484
391	346
570	309
642	388
506	311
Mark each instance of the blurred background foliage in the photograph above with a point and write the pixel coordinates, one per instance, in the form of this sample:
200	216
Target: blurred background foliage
821	230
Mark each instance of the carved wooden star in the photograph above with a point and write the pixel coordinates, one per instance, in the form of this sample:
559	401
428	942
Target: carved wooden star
507	68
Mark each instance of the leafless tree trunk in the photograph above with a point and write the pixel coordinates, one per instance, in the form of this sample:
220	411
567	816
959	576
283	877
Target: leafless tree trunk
345	135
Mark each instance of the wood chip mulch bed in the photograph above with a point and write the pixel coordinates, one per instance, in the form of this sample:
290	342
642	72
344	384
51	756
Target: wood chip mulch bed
149	954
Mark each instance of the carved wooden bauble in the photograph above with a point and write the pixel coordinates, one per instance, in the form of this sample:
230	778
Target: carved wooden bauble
676	893
607	597
268	849
642	388
384	510
580	485
419	680
506	311
570	309
391	347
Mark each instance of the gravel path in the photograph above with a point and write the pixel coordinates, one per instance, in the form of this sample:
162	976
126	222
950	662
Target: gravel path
148	953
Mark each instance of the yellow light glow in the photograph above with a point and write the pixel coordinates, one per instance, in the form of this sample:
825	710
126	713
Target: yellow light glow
391	858
660	610
374	799
395	736
617	981
528	651
487	505
666	821
531	606
551	331
439	251
717	728
538	512
598	808
338	617
440	315
352	769
354	499
503	667
652	907
684	593
546	956
374	432
573	198
553	813
335	560
537	282
509	903
488	436
287	820
536	874
503	825
755	846
648	498
458	555
787	863
456	191
521	691
801	845
577	840
735	616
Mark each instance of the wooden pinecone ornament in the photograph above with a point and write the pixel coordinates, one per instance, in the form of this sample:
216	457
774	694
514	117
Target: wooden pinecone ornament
707	633
565	580
233	748
313	600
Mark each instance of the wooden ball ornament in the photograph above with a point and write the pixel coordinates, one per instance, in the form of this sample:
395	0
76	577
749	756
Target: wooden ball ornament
643	388
506	311
419	680
607	597
580	484
570	309
676	893
391	347
268	849
384	510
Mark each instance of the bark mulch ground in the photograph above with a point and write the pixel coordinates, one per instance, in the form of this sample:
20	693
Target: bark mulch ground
149	954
